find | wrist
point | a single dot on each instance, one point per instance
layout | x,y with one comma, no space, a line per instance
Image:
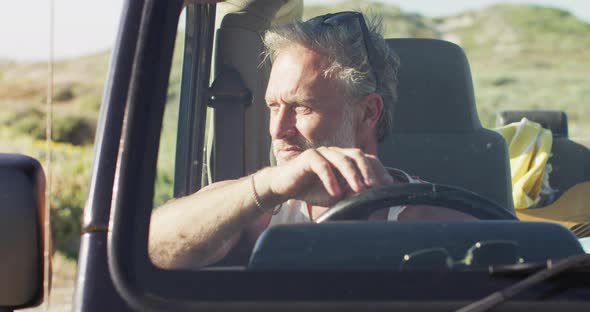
262,192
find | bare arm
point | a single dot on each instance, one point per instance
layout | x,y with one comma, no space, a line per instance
201,228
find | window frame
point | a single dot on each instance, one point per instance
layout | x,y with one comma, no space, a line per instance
196,68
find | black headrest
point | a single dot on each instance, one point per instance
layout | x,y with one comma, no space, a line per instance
556,121
435,88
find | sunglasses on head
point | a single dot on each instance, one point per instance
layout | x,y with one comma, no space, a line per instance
340,18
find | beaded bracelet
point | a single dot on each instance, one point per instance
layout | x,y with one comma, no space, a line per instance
255,195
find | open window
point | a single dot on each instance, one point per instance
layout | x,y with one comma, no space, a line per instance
169,151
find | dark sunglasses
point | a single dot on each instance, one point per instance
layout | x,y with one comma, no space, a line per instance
340,18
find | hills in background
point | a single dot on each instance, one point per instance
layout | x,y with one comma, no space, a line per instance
495,29
522,56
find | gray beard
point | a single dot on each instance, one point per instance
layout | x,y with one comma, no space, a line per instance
343,137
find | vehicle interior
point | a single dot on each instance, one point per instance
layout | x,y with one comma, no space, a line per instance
570,172
570,157
437,136
435,115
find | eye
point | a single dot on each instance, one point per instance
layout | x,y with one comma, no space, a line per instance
274,107
302,109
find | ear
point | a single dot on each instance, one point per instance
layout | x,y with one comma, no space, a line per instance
369,110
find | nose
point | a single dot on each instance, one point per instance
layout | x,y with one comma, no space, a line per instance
282,123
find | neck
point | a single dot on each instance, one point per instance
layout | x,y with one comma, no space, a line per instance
368,146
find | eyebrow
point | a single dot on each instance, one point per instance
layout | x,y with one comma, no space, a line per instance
293,99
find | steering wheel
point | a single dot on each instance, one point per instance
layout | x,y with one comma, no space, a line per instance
361,205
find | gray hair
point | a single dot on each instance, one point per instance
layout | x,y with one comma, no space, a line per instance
345,47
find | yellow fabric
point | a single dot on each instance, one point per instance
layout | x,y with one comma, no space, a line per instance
569,210
529,147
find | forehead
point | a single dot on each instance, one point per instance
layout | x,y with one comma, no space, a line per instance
299,72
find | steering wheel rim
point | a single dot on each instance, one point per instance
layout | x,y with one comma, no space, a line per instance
361,205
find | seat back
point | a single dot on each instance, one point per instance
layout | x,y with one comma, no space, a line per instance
239,47
570,161
437,134
556,121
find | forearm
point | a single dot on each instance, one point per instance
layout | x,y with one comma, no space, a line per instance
201,228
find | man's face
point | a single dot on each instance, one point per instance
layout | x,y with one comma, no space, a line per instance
307,110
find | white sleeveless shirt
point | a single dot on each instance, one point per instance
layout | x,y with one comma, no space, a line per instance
295,211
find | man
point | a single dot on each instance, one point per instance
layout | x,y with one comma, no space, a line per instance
330,94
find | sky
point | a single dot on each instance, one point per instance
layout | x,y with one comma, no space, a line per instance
89,26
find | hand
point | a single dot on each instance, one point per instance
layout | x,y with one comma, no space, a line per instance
325,175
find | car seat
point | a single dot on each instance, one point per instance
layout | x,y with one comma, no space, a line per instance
437,134
239,50
570,161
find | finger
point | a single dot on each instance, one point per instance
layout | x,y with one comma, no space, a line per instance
324,171
347,168
373,171
383,176
364,165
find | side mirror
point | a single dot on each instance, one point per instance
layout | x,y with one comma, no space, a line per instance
22,239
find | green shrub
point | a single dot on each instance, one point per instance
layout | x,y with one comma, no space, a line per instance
164,187
70,179
63,94
89,101
66,219
70,176
29,121
502,81
74,129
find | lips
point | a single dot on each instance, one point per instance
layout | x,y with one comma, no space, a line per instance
289,152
